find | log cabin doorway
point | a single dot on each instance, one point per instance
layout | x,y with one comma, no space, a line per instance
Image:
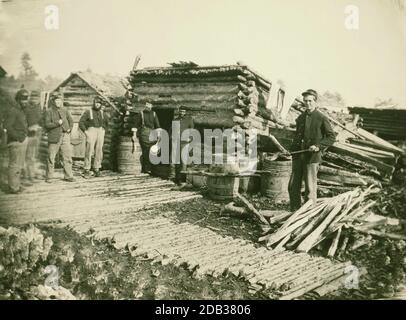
165,117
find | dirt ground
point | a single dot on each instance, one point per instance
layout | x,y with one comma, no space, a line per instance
96,270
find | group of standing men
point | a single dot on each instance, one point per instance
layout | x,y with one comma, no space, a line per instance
23,128
23,125
314,134
147,121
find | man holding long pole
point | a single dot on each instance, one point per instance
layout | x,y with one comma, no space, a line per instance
314,133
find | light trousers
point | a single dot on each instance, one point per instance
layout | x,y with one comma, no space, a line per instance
94,147
66,151
17,151
32,154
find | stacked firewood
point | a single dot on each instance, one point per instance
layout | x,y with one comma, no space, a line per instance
322,223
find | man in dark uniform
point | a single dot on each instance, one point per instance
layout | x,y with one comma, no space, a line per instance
34,118
59,123
313,132
16,129
145,123
184,122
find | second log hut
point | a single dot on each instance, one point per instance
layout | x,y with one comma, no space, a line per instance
78,92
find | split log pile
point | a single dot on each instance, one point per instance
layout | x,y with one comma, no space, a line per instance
357,158
333,226
323,225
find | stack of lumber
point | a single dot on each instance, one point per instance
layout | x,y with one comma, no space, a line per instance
320,224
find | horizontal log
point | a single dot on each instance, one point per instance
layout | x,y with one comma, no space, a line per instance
252,209
344,180
371,144
376,152
380,234
369,136
176,79
266,114
238,119
338,172
174,104
260,80
345,149
79,92
186,88
214,122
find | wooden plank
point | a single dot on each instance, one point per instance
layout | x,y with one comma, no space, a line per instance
252,209
367,135
309,241
346,149
334,245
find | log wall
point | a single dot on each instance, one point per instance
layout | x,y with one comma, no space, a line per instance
77,98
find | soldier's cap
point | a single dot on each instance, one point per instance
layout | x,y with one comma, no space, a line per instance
21,94
182,107
310,92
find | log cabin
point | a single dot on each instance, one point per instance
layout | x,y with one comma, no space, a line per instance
215,96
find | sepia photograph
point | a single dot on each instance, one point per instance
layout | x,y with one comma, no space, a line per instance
218,151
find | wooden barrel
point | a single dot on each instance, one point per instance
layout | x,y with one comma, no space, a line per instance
228,164
249,184
275,180
128,161
223,187
197,180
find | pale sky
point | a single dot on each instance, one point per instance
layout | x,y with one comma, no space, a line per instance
304,43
